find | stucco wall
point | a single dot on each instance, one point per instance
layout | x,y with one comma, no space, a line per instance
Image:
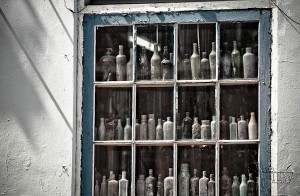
36,99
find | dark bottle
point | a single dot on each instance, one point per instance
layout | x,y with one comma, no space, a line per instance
211,186
224,129
226,67
204,67
186,66
166,65
187,127
194,190
106,67
251,186
150,183
145,72
226,183
110,127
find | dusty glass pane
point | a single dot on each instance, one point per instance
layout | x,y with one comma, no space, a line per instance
112,110
155,52
196,60
113,53
236,160
238,102
157,104
239,49
195,104
111,161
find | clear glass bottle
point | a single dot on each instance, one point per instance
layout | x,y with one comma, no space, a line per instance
121,64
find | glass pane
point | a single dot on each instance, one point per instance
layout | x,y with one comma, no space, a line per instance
155,52
196,162
236,161
113,113
196,106
110,162
155,110
239,111
152,167
113,46
196,51
239,45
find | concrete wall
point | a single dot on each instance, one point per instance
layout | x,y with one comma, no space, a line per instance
286,99
36,99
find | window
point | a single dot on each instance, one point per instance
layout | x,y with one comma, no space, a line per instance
200,74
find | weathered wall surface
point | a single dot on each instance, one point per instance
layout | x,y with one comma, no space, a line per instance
36,99
286,99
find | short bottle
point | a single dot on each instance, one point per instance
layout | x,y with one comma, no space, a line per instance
101,130
141,186
167,72
212,61
121,64
233,129
156,72
252,127
151,127
97,189
235,186
242,129
144,128
195,63
224,129
211,185
203,185
184,180
205,130
194,191
251,186
113,187
123,185
120,130
186,65
150,182
107,67
226,182
243,186
169,183
103,190
196,129
187,127
127,130
168,129
160,186
159,130
213,127
204,67
249,62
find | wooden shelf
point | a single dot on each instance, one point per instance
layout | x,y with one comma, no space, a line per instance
239,81
114,84
113,143
150,83
154,142
231,142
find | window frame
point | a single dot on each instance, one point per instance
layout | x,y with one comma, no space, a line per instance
262,16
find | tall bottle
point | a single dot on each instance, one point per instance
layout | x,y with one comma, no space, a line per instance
211,186
213,127
243,186
137,129
129,66
107,67
121,65
204,67
113,188
224,129
194,184
167,72
212,61
252,127
242,129
251,186
235,188
195,63
236,62
187,127
101,130
141,186
144,128
184,180
169,183
123,185
97,189
160,186
205,130
233,129
120,130
249,62
203,185
196,129
110,126
159,130
156,72
103,190
144,66
226,63
150,182
225,182
151,127
127,130
186,64
168,129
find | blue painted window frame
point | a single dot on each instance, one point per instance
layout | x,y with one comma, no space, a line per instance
263,16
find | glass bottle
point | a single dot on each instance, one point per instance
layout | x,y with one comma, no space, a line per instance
213,127
226,69
249,62
252,127
186,64
243,186
166,65
97,189
120,130
113,187
233,129
205,130
211,186
168,183
196,129
103,190
159,130
187,127
195,63
235,188
144,66
156,72
242,129
204,67
151,127
150,183
110,127
203,185
121,65
107,67
194,184
212,61
123,185
141,186
129,66
236,62
127,130
101,130
251,186
143,128
137,129
160,186
224,129
225,182
168,129
184,180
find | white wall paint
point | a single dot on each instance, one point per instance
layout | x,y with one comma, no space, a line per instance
36,100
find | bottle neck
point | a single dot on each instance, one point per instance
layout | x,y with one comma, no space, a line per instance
213,46
165,54
121,50
195,48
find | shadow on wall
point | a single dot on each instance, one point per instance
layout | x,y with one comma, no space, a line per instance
19,96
